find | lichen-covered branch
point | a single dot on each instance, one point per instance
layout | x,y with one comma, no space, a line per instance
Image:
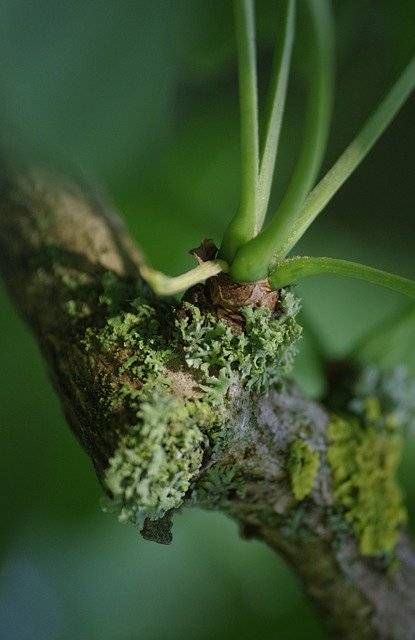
190,404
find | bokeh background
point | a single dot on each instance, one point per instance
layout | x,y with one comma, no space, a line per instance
142,98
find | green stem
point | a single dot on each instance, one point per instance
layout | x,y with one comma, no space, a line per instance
253,259
293,269
242,226
164,285
352,156
276,101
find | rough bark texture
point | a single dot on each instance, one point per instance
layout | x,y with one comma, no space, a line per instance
56,243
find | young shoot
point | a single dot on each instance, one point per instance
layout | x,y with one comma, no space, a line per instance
164,285
253,259
249,250
243,225
376,124
300,206
276,105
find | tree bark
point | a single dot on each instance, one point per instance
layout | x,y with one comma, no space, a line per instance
57,242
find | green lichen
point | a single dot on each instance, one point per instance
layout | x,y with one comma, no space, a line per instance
71,278
77,309
114,292
155,462
215,486
153,347
364,462
135,335
259,357
303,466
162,450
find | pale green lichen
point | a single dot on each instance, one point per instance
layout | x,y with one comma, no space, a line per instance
155,462
259,357
136,334
303,466
364,462
161,451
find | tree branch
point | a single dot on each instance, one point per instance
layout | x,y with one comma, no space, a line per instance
60,251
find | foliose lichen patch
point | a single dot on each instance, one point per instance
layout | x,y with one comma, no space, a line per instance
167,433
259,357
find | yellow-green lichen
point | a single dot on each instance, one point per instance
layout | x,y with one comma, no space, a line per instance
303,466
364,462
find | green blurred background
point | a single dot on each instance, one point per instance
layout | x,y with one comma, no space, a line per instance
141,96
